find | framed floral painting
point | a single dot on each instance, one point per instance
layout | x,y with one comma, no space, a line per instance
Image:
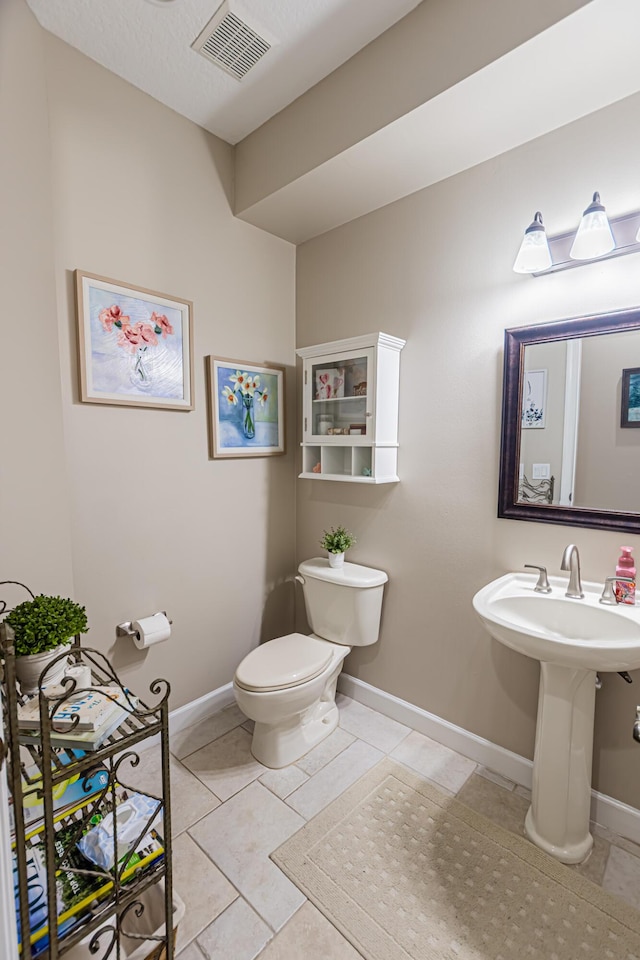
135,345
246,408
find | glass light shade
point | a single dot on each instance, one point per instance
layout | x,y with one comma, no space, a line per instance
533,255
593,238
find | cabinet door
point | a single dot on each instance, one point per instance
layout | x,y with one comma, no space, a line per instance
339,391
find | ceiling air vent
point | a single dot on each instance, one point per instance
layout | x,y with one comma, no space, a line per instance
231,43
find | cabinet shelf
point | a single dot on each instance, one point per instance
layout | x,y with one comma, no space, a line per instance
339,399
59,792
352,438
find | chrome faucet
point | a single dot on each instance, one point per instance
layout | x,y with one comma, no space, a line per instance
571,562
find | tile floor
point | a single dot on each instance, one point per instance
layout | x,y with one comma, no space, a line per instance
230,813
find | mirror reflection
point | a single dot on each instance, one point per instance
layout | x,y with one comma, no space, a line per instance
571,432
571,422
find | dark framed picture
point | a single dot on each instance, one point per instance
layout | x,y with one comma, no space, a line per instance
630,406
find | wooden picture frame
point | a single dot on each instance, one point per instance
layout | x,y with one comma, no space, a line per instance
247,408
135,345
630,398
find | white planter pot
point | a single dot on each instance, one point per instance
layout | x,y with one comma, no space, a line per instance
336,559
30,667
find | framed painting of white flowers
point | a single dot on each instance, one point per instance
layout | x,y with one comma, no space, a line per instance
246,408
135,345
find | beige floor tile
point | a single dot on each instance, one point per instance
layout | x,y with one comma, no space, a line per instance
239,836
311,936
192,738
432,760
495,778
502,806
226,765
320,756
594,868
204,889
190,799
523,792
369,725
238,934
613,838
334,778
285,781
248,725
622,876
192,952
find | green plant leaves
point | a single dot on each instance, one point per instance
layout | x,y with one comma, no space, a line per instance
45,622
337,540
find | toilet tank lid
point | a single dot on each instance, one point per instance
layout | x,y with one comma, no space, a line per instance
348,575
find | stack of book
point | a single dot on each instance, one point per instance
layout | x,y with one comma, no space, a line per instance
83,723
80,887
78,788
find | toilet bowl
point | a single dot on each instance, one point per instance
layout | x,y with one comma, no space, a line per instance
288,685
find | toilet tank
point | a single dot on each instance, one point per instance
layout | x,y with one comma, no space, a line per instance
343,604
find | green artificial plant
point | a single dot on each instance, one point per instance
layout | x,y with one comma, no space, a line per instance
338,540
45,623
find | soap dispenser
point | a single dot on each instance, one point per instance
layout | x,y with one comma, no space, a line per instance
626,592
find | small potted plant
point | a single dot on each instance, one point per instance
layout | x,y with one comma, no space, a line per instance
43,629
336,542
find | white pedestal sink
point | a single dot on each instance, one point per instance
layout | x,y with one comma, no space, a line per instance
572,639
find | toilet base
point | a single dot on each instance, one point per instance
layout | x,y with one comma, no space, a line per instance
278,745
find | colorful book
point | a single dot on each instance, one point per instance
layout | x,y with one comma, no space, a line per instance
88,712
79,788
89,740
76,892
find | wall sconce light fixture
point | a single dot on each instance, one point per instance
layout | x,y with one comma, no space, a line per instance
597,238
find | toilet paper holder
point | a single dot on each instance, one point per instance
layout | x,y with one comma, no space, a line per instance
126,629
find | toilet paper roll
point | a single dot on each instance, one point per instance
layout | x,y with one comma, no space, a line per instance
81,673
150,630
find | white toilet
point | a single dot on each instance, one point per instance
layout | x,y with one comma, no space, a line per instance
288,685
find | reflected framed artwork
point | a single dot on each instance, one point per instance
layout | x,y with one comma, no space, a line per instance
135,345
246,406
534,394
630,406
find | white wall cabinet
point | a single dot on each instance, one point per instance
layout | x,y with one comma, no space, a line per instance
350,409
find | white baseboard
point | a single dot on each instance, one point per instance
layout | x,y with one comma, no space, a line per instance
201,708
190,713
616,816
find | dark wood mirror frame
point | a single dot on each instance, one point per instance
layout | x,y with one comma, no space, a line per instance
515,340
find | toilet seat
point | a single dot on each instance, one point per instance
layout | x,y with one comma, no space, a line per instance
284,662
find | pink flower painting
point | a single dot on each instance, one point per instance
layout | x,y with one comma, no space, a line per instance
135,338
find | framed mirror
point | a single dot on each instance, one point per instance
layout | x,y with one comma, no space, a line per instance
571,398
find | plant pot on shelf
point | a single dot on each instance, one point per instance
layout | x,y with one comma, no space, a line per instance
29,667
336,559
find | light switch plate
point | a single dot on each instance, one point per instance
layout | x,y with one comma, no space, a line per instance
541,471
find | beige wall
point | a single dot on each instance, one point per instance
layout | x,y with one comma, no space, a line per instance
608,455
35,545
436,268
142,195
130,495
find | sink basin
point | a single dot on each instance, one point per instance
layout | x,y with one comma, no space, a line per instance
572,639
557,629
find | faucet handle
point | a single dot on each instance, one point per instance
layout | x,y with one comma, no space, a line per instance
542,586
608,591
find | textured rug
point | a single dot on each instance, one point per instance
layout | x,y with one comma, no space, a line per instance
404,871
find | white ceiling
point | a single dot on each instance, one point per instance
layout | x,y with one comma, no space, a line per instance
148,43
